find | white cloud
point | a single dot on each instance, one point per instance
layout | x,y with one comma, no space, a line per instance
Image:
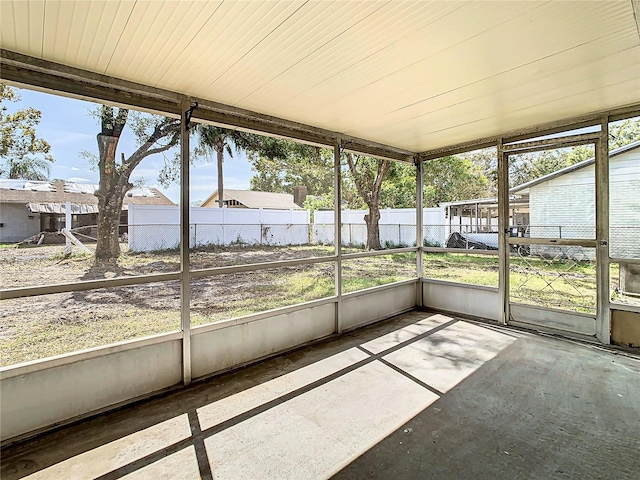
75,169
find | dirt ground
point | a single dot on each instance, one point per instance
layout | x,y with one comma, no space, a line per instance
47,325
44,265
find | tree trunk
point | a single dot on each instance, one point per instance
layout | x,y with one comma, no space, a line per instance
370,193
373,228
220,154
110,195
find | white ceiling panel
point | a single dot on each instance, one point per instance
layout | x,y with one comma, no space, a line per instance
226,39
22,24
415,39
274,60
531,83
417,75
483,113
459,66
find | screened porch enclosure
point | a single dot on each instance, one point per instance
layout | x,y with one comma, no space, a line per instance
173,324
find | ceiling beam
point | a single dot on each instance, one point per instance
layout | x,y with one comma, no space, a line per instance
550,128
24,70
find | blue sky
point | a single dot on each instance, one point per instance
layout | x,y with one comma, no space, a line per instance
68,126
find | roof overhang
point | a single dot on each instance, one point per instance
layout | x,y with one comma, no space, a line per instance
442,74
60,208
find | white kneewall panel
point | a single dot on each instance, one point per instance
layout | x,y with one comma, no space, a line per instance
240,343
367,306
42,398
531,316
474,300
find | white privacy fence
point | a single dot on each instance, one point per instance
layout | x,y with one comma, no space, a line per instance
397,226
158,227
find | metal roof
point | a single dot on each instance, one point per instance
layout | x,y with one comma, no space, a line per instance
55,194
32,185
492,201
416,75
256,199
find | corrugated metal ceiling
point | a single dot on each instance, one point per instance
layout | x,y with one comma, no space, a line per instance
416,75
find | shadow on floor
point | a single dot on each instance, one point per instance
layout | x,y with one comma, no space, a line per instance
24,458
419,396
544,408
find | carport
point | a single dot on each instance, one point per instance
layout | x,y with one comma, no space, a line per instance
404,81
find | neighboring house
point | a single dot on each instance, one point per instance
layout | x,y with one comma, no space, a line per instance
254,199
562,204
30,207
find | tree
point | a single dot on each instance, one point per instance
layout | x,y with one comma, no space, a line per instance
155,134
399,188
219,140
367,175
24,155
486,160
624,132
526,167
452,178
293,164
362,183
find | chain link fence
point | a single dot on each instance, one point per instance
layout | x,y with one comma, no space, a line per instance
355,234
560,277
624,240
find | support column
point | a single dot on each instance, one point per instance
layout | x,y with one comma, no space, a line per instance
67,227
337,238
476,219
603,310
419,231
185,276
503,237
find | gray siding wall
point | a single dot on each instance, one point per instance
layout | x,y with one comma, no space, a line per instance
569,201
624,230
16,222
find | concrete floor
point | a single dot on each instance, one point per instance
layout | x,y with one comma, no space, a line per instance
422,395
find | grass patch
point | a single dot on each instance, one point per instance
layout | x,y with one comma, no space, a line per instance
48,325
537,281
361,273
463,268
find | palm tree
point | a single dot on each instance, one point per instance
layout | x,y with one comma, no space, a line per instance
220,140
28,168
